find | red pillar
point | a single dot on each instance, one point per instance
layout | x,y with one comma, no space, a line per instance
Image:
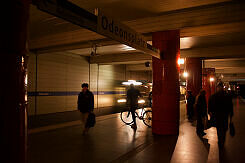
12,86
165,93
213,83
194,78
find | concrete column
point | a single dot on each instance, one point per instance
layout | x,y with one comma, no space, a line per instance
194,78
165,93
12,86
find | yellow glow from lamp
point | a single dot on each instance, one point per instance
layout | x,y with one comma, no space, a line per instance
127,48
185,74
121,100
129,82
181,61
141,101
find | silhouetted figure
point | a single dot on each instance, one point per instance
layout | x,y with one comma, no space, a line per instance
190,105
85,105
221,107
132,99
150,99
201,108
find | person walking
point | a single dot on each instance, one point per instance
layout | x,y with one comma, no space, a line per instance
85,105
221,107
190,105
201,109
132,99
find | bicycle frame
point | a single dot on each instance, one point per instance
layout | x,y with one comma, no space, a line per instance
140,112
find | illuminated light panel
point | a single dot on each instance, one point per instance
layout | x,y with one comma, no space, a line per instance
141,101
186,42
127,48
129,82
121,100
211,79
26,80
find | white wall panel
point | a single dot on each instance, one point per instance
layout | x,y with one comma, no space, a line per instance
77,72
109,75
71,102
93,82
51,104
31,75
58,72
106,100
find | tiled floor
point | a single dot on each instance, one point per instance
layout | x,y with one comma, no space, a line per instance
112,141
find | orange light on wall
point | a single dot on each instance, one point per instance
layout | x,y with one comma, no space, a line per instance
181,61
185,74
211,79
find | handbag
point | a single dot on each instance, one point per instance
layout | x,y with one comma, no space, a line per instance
91,120
232,129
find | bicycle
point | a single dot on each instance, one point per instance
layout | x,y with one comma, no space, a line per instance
146,116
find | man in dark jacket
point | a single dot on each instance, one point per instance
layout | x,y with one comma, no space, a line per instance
201,108
85,105
190,105
221,107
132,99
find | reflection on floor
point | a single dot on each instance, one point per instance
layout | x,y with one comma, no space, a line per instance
112,141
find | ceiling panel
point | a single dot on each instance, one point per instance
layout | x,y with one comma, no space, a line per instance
42,24
213,40
215,30
101,50
225,63
125,10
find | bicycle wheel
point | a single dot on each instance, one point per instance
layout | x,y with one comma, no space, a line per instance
126,117
147,118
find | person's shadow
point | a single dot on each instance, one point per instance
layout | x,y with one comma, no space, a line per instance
222,152
222,155
205,143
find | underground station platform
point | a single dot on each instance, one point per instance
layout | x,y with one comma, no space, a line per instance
169,50
110,140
